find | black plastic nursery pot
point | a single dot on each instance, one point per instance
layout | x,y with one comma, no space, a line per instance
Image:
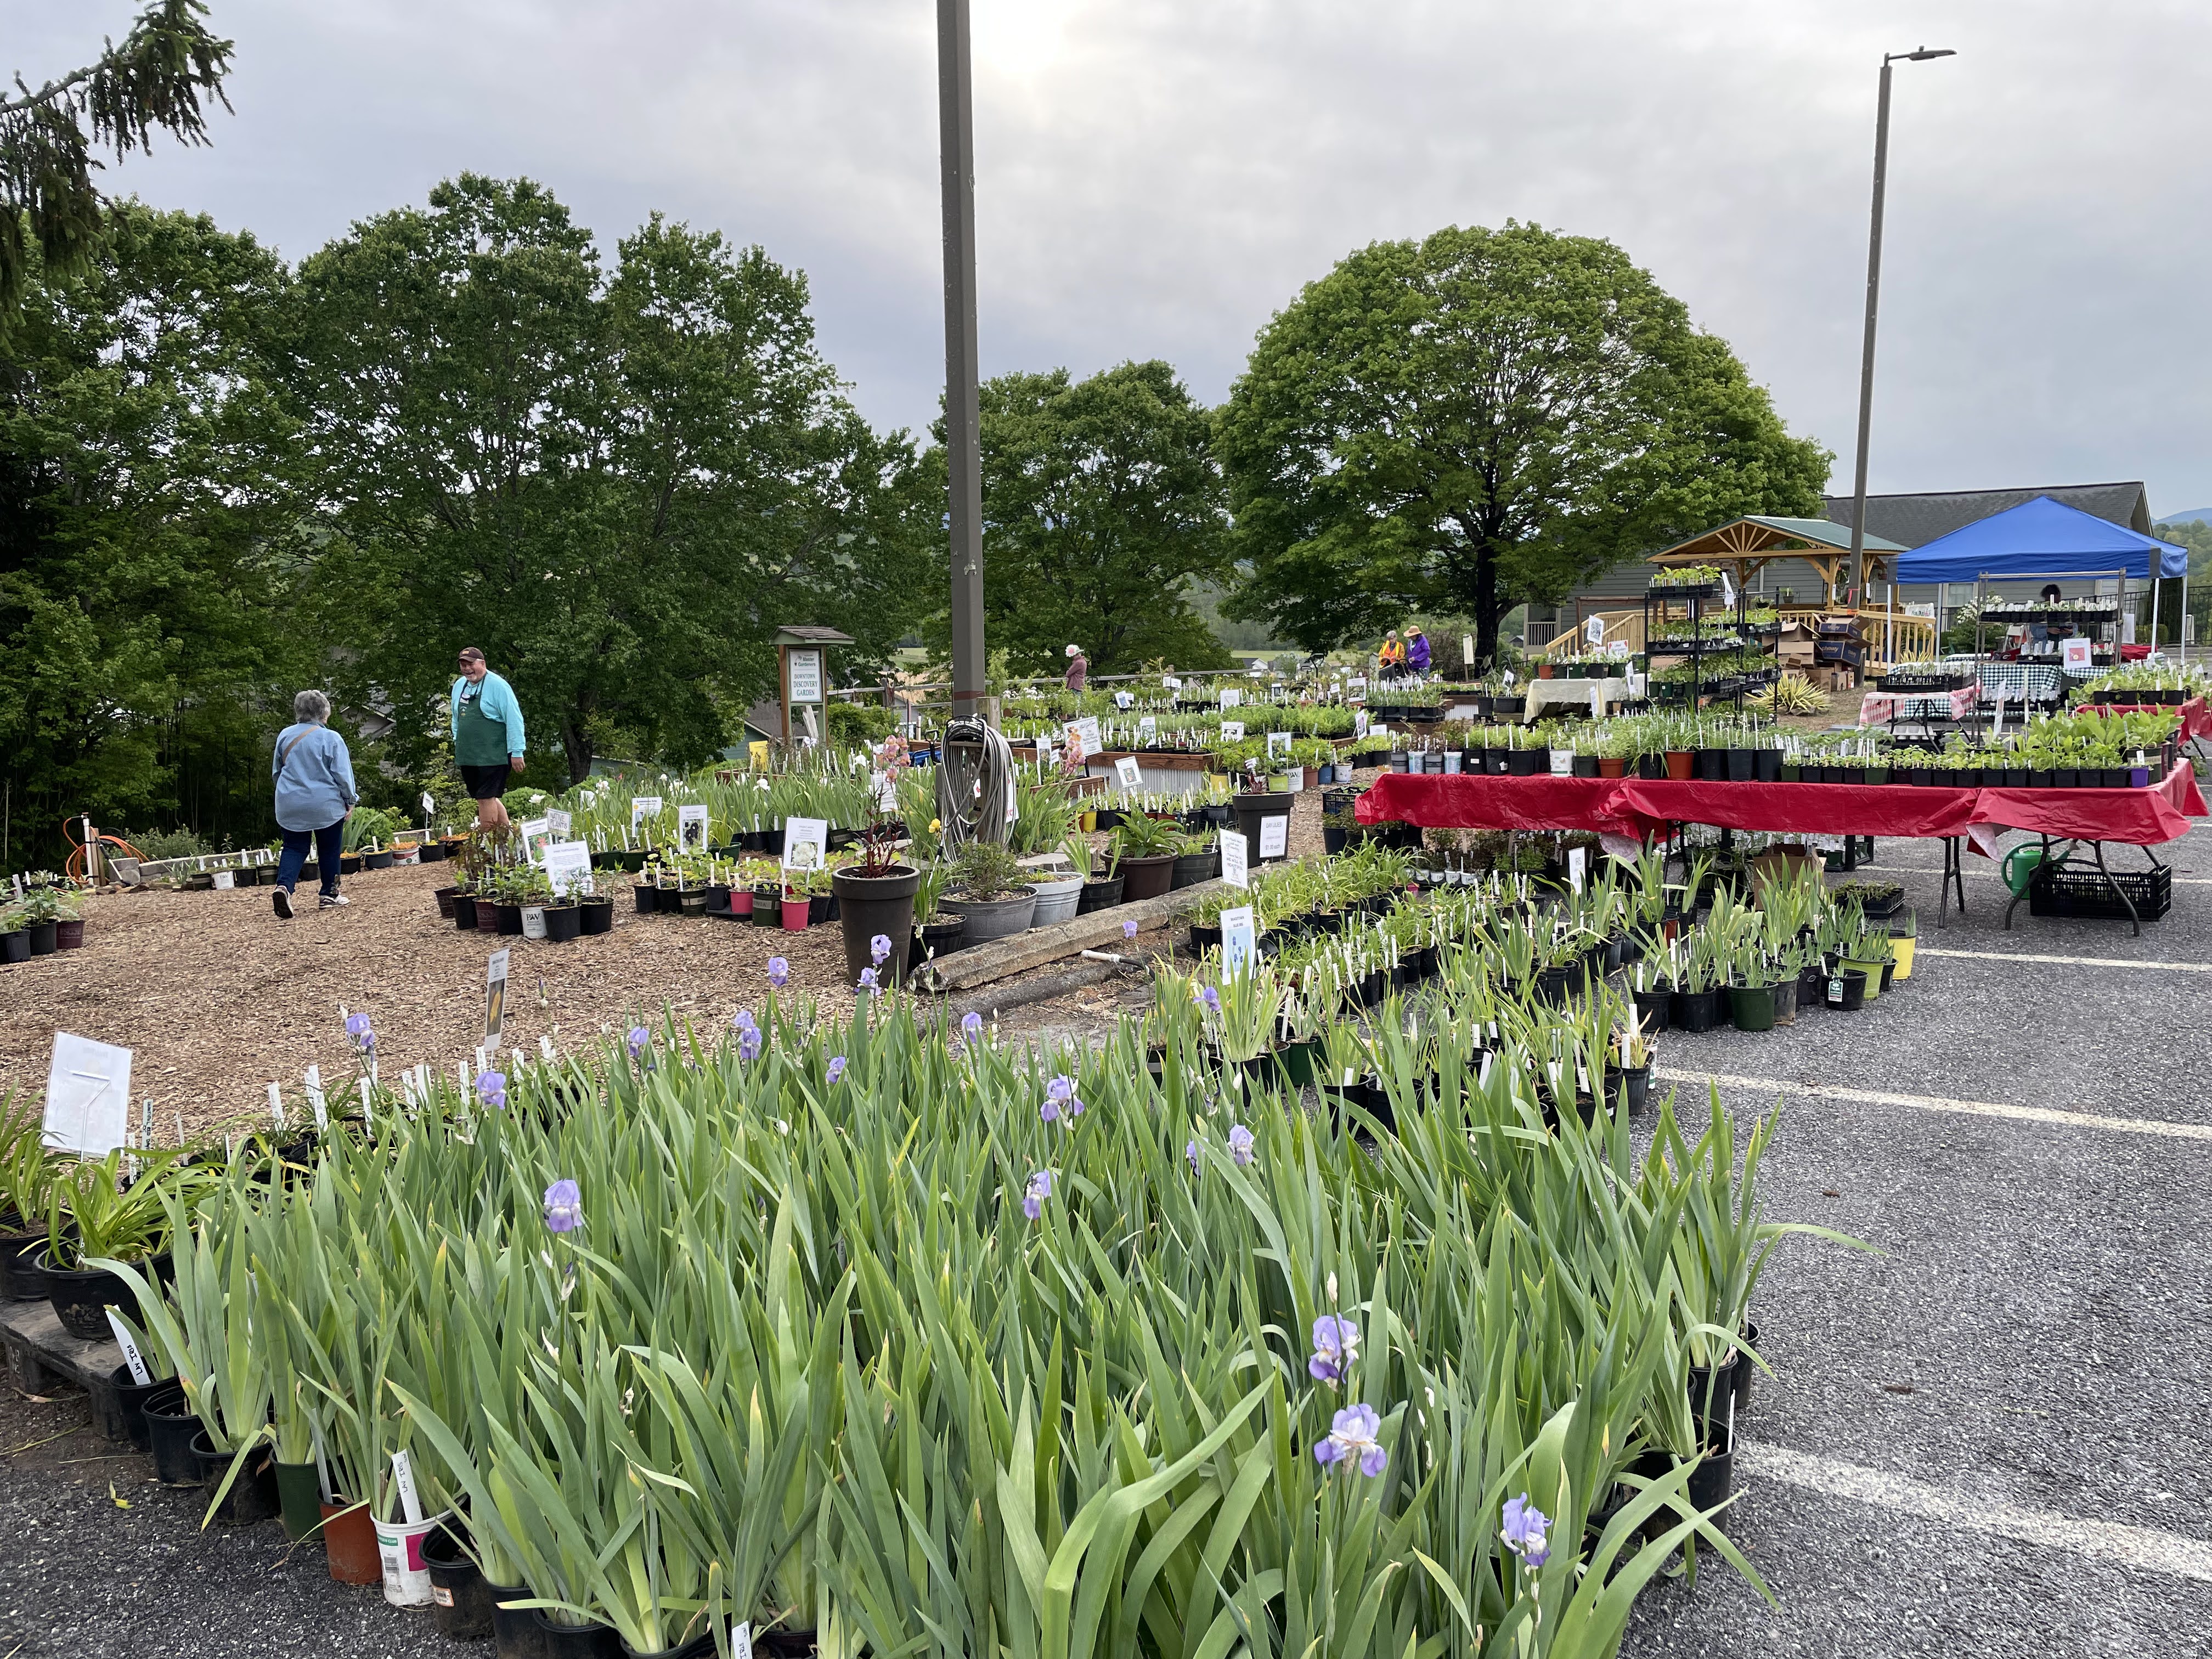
1812,988
1695,1011
564,922
871,905
465,912
575,1641
515,1630
460,1601
1099,896
941,938
1653,1007
21,1277
171,1427
1750,1008
118,1404
647,896
44,937
595,915
253,1497
79,1297
1846,989
1785,999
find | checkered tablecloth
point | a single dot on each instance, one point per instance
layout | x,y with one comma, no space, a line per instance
2019,682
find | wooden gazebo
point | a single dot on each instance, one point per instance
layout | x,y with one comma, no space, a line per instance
1748,544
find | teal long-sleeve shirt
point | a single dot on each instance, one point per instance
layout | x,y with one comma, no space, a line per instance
496,702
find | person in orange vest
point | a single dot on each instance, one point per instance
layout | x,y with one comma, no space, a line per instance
1392,656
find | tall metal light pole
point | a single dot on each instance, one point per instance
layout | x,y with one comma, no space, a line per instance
1874,294
957,157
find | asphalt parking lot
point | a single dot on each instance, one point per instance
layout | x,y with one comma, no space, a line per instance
1989,1440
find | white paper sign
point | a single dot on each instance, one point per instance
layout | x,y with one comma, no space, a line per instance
1171,683
1125,700
1578,858
225,880
558,821
641,806
805,844
1131,774
1358,682
1148,728
1359,724
1232,731
1231,696
1085,733
692,825
1594,630
1466,649
87,1096
2076,653
567,864
1235,869
1278,742
1239,943
805,676
1274,837
537,834
1380,729
494,998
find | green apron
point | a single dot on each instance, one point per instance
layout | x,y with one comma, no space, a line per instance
482,741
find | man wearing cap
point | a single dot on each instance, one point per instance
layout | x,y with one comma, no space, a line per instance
1078,668
488,742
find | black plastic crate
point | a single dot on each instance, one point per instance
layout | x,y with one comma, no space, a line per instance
2081,890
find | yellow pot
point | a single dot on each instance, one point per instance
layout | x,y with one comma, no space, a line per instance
1901,946
1089,822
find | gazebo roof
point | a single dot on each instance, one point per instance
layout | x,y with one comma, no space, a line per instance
1762,538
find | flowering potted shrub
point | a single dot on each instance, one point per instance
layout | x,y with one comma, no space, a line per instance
875,892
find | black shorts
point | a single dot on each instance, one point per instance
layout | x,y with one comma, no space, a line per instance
487,782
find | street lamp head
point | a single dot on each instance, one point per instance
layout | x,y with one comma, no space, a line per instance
1919,55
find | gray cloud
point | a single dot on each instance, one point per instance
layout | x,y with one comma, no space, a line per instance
1156,177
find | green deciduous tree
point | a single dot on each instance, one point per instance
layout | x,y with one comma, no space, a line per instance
1460,425
617,487
1103,509
149,535
155,81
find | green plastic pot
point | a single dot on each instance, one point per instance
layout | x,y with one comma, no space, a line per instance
1299,1061
1873,972
1751,1007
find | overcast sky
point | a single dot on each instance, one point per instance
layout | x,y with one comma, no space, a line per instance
1156,177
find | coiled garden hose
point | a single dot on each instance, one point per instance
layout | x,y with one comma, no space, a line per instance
975,784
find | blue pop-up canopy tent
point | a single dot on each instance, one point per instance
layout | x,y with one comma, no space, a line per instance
2041,538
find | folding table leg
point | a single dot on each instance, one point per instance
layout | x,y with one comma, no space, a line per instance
2118,892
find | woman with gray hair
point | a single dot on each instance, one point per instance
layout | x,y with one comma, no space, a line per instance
315,791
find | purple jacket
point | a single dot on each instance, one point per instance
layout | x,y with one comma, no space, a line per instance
1417,653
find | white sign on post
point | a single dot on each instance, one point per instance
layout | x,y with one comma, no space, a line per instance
642,806
1232,731
692,825
1129,772
805,844
1466,649
1235,868
1231,696
1084,732
1240,944
806,677
567,864
1278,742
87,1096
1274,837
494,997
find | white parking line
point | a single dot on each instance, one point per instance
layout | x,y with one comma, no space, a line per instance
2071,961
1773,1085
2141,1547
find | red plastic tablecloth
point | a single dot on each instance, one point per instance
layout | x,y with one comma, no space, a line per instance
1638,807
2196,722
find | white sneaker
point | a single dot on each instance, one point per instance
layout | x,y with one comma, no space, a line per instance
282,900
332,900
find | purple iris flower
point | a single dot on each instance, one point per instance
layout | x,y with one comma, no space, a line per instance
879,947
749,1042
1526,1531
778,972
1212,998
1128,930
868,980
837,1069
1033,1195
1240,1145
971,1025
1354,1437
357,1028
743,1019
564,1206
1061,1093
1336,1346
1190,1152
640,1040
491,1089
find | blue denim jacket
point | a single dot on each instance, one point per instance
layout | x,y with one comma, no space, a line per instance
313,778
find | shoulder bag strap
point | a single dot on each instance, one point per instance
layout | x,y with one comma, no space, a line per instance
288,748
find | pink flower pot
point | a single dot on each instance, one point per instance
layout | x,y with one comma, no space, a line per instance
794,915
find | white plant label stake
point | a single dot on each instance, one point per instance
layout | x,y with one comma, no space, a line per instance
139,1374
276,1107
403,1476
315,1101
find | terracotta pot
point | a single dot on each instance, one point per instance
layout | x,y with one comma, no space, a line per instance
1612,766
349,1542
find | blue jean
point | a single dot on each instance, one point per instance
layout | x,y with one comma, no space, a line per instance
327,843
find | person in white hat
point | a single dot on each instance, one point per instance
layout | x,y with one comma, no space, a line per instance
1077,668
